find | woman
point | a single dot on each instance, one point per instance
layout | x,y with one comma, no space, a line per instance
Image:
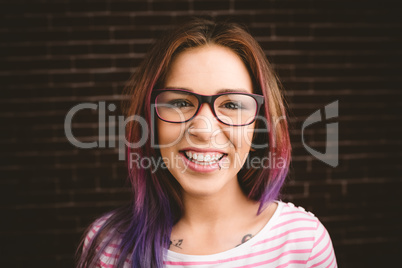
213,105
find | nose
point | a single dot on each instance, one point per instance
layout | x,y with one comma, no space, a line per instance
205,125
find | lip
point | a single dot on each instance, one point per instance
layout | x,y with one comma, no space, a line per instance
203,150
201,168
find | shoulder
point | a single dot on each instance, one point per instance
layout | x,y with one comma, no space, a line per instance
303,227
104,241
291,210
94,229
290,226
291,216
296,224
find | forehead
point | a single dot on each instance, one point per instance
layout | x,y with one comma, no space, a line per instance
209,69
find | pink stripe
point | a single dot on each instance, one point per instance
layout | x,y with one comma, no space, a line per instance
321,262
114,259
113,245
105,265
333,258
319,239
285,233
111,255
320,253
276,258
293,212
86,243
293,220
93,231
304,239
290,262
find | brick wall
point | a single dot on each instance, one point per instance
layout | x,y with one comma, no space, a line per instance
57,54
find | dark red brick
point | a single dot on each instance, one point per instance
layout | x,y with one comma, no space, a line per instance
78,7
211,5
292,31
252,5
24,22
69,49
71,77
142,20
128,6
22,50
110,49
72,21
93,63
180,5
110,20
90,35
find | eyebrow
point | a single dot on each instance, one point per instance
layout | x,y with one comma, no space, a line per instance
225,90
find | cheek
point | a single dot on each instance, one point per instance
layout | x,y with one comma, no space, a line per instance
243,137
169,134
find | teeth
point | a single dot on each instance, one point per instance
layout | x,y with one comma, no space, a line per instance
203,158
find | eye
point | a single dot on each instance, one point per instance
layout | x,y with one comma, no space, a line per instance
231,105
180,103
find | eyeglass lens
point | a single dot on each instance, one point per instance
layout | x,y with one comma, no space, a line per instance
231,109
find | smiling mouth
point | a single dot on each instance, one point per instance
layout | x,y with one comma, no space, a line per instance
203,158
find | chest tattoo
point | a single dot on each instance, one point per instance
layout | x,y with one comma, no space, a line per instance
176,243
245,239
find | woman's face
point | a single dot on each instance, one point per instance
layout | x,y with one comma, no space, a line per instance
221,150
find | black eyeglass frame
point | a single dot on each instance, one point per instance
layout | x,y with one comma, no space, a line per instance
209,99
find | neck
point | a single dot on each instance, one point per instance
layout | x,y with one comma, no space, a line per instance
217,222
215,211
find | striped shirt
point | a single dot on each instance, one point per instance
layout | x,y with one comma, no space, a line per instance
291,238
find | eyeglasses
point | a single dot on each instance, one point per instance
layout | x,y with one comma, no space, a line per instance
231,108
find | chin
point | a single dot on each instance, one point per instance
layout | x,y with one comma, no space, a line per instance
206,185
